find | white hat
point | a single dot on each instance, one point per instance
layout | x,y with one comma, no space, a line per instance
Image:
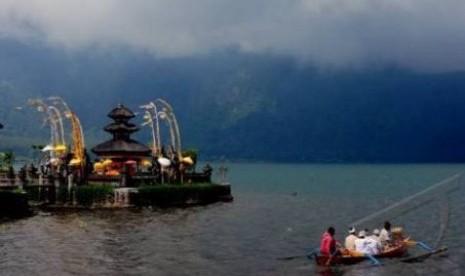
376,232
352,230
361,234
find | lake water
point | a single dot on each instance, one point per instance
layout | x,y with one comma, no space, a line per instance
279,210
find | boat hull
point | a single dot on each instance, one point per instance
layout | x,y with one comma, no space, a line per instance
348,259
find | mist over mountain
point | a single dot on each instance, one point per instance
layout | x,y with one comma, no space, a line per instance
236,105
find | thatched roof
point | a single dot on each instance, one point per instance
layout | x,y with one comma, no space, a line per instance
121,144
121,112
121,147
121,127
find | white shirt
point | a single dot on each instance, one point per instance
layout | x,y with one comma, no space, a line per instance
361,245
350,242
374,237
374,245
384,236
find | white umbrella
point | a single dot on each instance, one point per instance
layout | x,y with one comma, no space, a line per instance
164,162
48,148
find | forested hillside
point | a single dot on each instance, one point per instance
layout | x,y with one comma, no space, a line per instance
242,106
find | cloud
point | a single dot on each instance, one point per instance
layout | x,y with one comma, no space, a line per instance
418,34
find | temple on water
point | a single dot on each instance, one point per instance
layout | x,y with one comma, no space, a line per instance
125,172
124,161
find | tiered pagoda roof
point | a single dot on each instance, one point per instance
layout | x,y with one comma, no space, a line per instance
121,146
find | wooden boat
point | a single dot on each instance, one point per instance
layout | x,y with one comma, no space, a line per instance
347,258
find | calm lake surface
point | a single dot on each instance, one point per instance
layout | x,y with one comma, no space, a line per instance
279,210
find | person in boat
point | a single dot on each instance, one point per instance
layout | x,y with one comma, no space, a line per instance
375,234
385,234
329,244
374,245
349,242
397,235
361,243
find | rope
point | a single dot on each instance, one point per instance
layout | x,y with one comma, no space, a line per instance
415,201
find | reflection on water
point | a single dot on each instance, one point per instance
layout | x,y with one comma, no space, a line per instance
279,211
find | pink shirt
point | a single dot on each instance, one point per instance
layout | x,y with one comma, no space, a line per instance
328,244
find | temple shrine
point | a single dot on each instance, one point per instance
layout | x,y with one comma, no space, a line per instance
121,153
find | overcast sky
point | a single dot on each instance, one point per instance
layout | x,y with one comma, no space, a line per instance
419,34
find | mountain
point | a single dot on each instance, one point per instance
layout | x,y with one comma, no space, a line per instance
242,106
